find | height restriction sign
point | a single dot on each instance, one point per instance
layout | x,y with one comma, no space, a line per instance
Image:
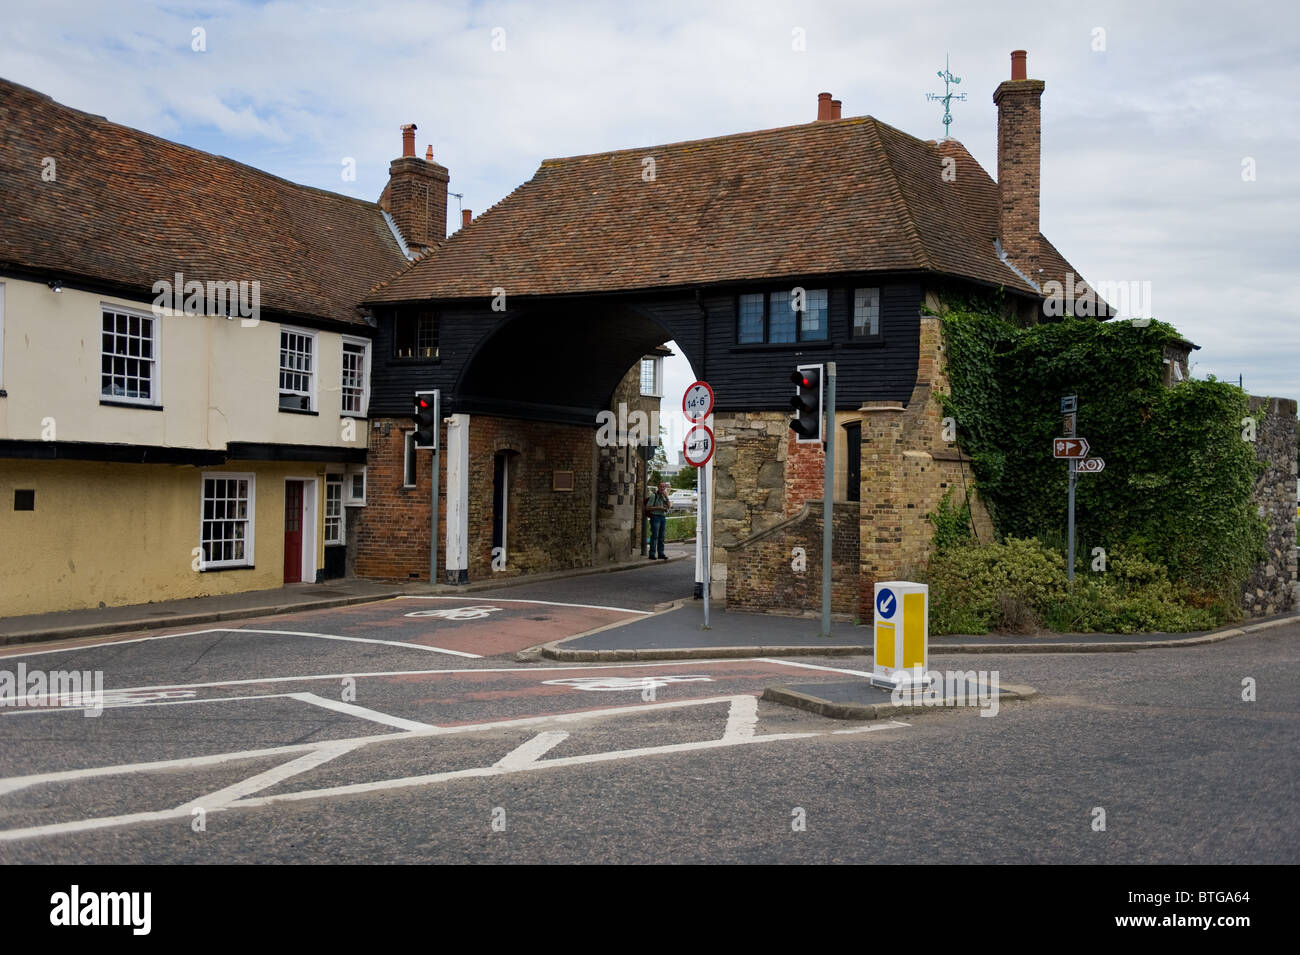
697,403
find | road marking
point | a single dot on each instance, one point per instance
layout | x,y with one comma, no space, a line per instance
604,684
742,718
196,633
811,666
522,759
383,673
75,775
276,774
545,603
532,750
351,709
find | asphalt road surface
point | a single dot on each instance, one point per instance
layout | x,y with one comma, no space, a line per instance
407,731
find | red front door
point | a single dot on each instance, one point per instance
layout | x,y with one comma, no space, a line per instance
292,532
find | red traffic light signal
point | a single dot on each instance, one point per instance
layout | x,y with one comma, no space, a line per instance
426,419
807,403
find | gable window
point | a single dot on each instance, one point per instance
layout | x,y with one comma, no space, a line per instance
334,509
226,533
415,335
128,356
866,312
297,370
355,384
651,376
774,319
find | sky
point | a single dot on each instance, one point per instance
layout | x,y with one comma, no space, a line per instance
1171,144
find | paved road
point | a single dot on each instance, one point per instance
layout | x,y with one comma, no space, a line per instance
368,735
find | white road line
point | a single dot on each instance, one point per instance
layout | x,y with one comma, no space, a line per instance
532,750
518,766
382,673
546,603
195,633
351,709
742,718
276,774
808,666
75,775
409,781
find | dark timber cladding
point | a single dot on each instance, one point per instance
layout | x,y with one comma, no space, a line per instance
560,359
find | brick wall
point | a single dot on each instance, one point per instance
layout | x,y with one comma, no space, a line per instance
620,480
763,574
805,471
391,533
545,529
748,480
1273,587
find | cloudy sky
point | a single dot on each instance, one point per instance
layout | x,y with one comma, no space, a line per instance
1170,131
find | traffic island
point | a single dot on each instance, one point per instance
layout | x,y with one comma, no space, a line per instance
862,700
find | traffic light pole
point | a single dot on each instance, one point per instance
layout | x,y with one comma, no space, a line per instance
828,493
433,522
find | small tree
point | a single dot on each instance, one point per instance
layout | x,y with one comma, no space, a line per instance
686,479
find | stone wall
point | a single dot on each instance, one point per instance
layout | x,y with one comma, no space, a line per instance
1273,588
765,574
620,480
748,480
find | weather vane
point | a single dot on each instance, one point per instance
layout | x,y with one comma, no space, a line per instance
948,95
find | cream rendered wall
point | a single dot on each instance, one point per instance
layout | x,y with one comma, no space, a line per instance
219,379
125,534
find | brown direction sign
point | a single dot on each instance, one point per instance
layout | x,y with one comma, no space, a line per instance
1076,448
1090,466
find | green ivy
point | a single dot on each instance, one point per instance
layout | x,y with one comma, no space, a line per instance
952,525
1178,479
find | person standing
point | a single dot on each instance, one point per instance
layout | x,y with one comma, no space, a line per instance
657,506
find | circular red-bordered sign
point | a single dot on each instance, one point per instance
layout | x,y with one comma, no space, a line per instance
698,449
697,402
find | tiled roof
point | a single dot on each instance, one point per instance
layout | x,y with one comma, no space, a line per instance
129,208
849,195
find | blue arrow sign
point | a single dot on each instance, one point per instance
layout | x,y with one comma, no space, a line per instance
886,603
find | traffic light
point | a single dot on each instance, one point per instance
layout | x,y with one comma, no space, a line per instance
807,404
426,419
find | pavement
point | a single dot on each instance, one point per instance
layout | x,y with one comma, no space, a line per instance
292,598
675,632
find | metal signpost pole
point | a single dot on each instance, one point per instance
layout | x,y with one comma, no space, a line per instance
828,492
1069,566
702,531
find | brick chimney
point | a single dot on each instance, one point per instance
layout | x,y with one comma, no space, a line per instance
416,195
1019,146
466,216
823,107
835,108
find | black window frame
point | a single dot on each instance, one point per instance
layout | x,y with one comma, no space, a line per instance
412,335
799,330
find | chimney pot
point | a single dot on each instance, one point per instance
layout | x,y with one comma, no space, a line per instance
823,106
428,154
408,139
466,215
835,108
1018,71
